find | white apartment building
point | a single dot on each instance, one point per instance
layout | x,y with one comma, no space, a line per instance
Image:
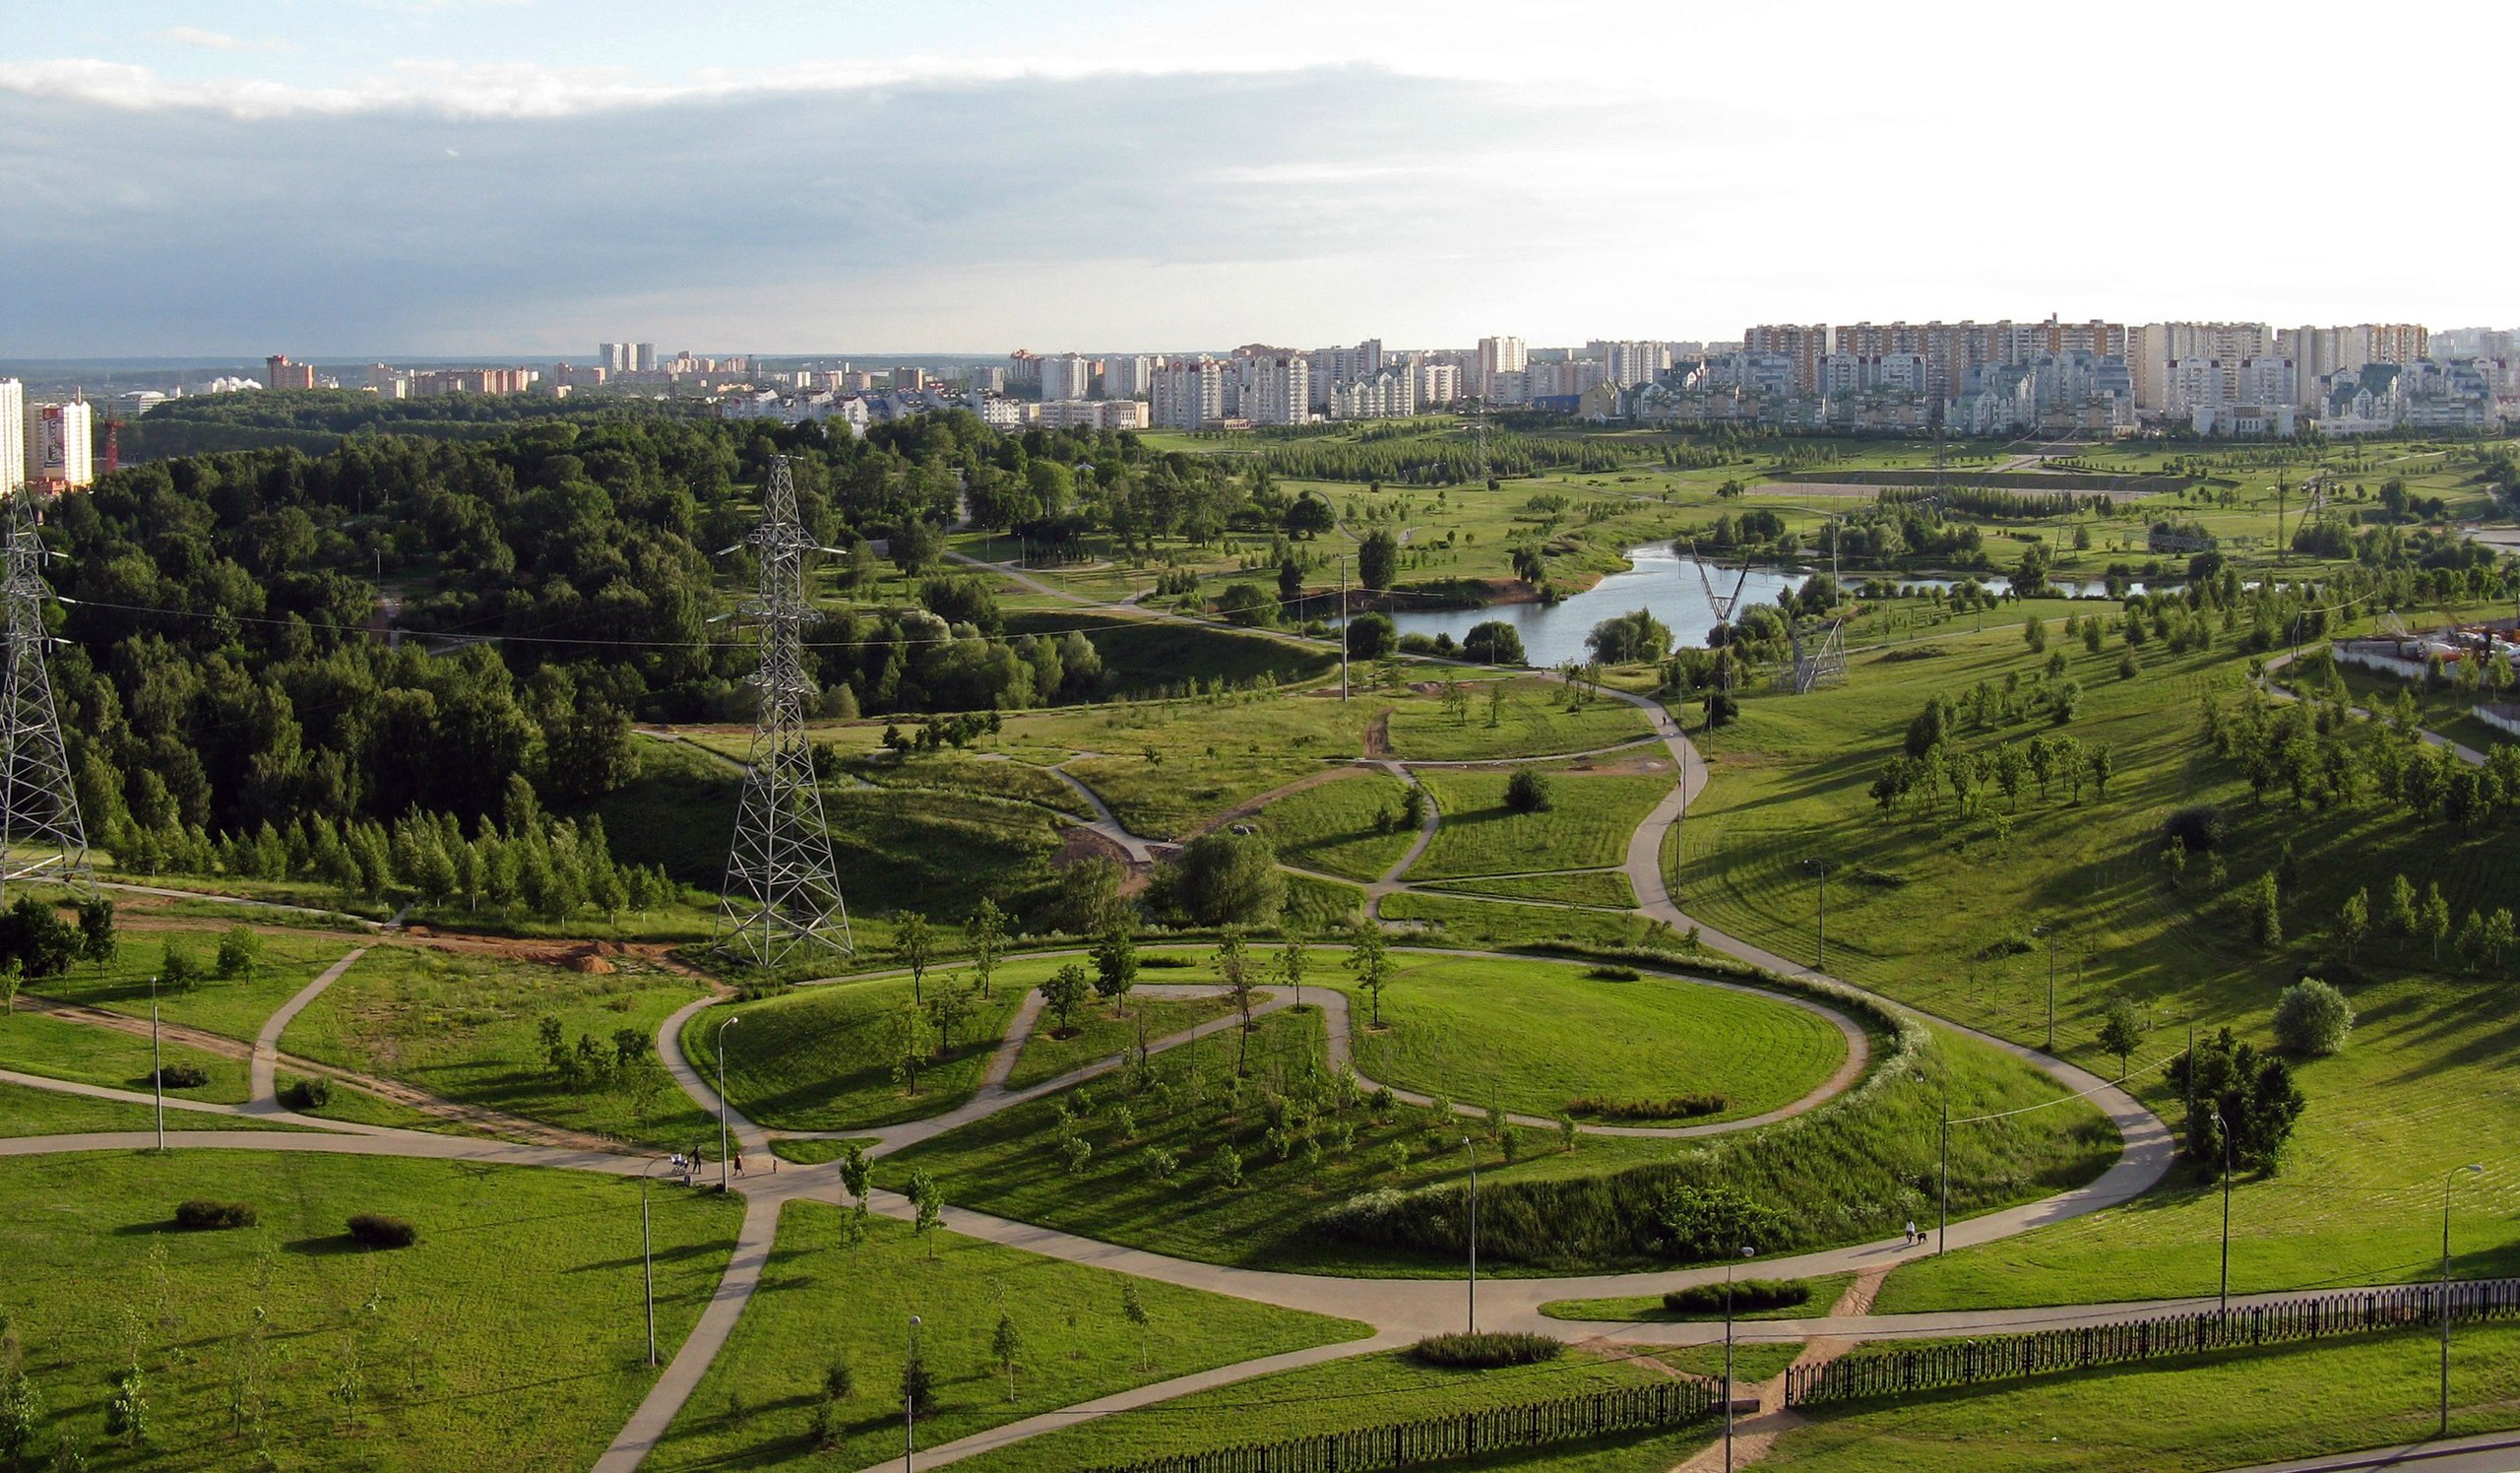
1391,394
1093,413
1628,364
1508,387
2194,383
1272,389
12,435
1187,394
1564,377
1066,376
1864,372
2270,381
1438,383
1128,376
60,445
1497,356
2154,350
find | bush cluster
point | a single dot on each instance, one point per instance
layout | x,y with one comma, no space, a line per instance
200,1214
1485,1351
1674,1108
183,1076
307,1094
1748,1295
375,1230
1610,973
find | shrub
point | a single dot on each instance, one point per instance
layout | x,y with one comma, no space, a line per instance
1712,1222
1527,792
307,1094
1674,1108
2197,829
183,1076
201,1215
240,953
1482,1352
2313,1019
375,1230
1748,1295
1610,973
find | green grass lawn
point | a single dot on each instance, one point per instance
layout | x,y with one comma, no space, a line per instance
467,1029
511,1336
824,1297
1647,1308
28,1110
1101,1033
234,1008
58,1048
2243,1407
1466,921
1937,910
1601,887
820,1058
1534,721
1586,828
987,776
1208,758
349,1103
1538,1035
1348,825
1319,907
1363,1391
1846,1171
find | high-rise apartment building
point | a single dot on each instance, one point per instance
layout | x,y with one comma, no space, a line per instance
1438,382
1066,376
1628,364
642,357
1272,388
1127,376
280,373
12,435
2157,351
1497,356
1187,394
1804,344
60,445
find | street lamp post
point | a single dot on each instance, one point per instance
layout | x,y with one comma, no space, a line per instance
1746,1250
1472,1153
1343,628
156,1065
2226,1132
1821,868
648,1263
910,1403
723,1157
2447,1178
2050,933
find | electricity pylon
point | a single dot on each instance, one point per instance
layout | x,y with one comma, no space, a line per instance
782,890
40,835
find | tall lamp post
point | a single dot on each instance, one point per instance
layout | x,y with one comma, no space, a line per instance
156,1065
1746,1250
1473,1152
2050,932
2448,1179
723,1157
1820,868
910,1403
2224,1129
648,1260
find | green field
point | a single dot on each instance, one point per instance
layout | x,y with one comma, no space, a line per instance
466,1030
820,1058
2243,1407
1103,1033
1167,770
25,1110
1594,887
231,1007
58,1048
1348,826
1536,1036
510,1336
1586,828
1465,920
1533,721
823,1298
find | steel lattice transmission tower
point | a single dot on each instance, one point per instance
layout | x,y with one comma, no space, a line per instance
782,890
40,835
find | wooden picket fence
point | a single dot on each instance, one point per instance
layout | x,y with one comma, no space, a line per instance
1894,1372
1435,1439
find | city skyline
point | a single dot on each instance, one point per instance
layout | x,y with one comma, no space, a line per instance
199,181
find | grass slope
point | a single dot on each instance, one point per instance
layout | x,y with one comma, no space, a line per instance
1345,826
824,1297
233,1008
1534,722
1586,828
820,1058
1101,1033
1598,887
509,1337
59,1048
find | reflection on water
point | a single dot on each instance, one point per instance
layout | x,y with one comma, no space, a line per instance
1662,582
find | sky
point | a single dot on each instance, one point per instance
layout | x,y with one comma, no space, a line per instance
347,178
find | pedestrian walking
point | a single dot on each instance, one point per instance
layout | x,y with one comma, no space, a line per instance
739,1163
1913,1236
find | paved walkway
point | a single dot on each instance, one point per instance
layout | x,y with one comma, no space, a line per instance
266,1062
2460,750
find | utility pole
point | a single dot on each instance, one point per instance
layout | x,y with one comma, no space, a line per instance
157,1063
2447,1178
722,1156
41,833
2050,933
2224,1128
1343,626
910,1403
1942,1227
783,889
1472,1153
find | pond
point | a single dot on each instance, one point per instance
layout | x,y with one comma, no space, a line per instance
1668,585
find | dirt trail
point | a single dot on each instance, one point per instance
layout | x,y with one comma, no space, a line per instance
1754,1435
1250,807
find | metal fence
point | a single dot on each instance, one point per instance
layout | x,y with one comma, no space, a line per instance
1895,1371
1433,1440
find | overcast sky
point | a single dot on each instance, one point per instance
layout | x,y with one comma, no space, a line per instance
450,177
